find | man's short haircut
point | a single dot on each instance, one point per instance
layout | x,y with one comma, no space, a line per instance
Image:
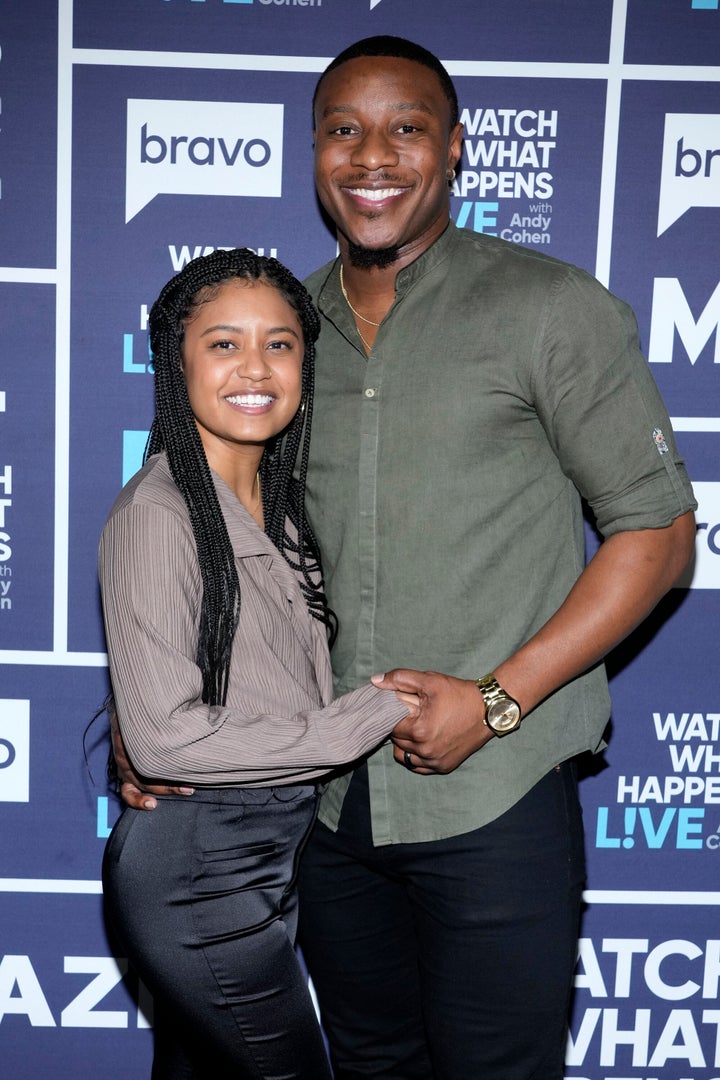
400,49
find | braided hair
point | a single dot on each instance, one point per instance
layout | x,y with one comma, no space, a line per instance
282,475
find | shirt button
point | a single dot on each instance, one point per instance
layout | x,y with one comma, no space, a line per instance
370,391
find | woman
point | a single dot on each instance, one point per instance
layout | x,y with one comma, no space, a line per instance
216,627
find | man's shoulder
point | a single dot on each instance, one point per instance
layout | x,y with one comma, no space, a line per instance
517,270
499,253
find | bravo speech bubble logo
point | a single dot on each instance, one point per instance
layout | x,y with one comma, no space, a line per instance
690,165
201,148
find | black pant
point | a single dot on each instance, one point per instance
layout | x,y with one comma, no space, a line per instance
201,893
452,959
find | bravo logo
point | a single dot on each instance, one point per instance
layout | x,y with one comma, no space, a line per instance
201,148
690,165
14,750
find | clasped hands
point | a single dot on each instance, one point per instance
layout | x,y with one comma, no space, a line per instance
443,727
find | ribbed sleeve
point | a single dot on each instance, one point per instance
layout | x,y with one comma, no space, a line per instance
277,726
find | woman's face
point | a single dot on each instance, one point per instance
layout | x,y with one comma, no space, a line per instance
242,357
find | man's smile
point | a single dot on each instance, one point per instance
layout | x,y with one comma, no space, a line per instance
375,194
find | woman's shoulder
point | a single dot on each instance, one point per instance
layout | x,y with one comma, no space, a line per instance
152,486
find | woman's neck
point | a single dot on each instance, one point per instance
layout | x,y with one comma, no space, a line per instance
239,467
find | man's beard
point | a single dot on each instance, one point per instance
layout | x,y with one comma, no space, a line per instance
367,258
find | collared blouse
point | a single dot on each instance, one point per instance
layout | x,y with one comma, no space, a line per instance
280,724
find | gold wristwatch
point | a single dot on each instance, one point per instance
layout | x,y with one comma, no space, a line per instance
502,712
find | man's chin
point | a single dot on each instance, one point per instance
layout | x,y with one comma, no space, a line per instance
369,258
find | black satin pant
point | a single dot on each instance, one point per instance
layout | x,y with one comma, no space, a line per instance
201,894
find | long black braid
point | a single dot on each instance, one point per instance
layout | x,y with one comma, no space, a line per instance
282,483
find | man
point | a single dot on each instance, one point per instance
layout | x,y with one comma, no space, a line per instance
469,392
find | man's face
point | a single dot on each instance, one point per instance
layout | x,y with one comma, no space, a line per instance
383,151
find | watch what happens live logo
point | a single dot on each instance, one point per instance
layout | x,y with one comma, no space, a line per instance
678,809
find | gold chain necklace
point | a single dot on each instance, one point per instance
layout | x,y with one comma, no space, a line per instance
355,313
368,346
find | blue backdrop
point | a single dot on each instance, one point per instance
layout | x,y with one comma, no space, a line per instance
140,133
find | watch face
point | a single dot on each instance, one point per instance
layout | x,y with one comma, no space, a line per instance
503,716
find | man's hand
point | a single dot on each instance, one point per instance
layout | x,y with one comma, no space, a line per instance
450,726
132,790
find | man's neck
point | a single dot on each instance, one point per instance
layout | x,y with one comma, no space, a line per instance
373,279
369,293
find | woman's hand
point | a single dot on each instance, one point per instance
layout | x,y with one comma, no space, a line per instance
134,791
412,701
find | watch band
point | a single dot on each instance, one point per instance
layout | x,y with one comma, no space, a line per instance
502,712
490,689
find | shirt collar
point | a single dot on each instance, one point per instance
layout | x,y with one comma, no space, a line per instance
246,536
332,302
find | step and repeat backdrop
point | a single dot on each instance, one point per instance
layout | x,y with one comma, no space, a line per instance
136,134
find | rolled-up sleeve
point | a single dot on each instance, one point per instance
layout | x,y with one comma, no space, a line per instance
602,411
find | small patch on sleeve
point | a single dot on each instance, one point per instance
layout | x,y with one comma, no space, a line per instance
659,440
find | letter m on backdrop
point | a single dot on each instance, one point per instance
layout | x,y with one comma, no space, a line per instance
671,312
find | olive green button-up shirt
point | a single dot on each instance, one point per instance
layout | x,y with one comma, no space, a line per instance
445,483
